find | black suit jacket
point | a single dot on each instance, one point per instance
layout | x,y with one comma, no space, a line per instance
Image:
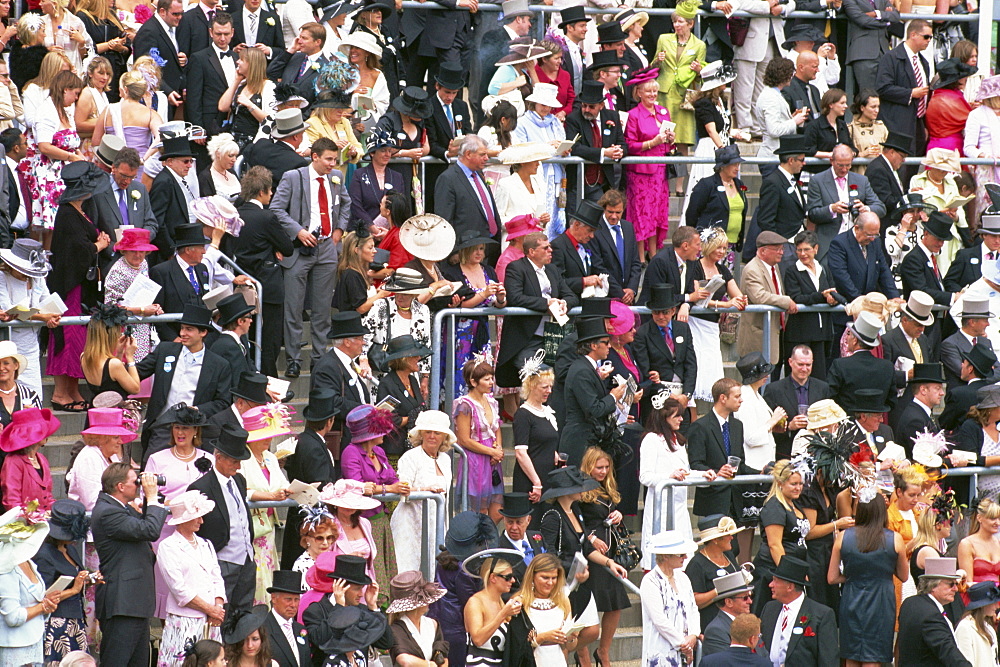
316,618
706,451
216,526
736,656
782,393
612,134
652,354
284,654
957,402
151,35
456,199
277,156
123,540
218,420
537,546
310,463
778,209
717,635
604,245
587,405
206,83
917,272
798,92
710,208
439,133
284,68
895,81
861,370
950,354
818,649
663,268
807,327
567,260
912,420
885,185
192,33
176,292
170,208
329,373
895,345
240,359
268,35
926,638
256,246
965,269
854,275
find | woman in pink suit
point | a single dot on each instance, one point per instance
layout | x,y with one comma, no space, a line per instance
648,188
347,499
25,475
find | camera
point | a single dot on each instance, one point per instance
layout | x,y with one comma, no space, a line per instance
94,577
161,479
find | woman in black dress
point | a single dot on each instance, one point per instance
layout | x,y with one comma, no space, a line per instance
808,283
829,129
402,382
111,38
405,121
784,527
354,278
248,100
108,357
599,509
714,559
536,432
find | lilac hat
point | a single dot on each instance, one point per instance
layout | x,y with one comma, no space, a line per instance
216,211
990,87
624,318
367,422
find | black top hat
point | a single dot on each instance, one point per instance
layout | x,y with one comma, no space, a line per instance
401,347
867,400
286,581
982,358
792,569
176,147
232,308
333,99
951,70
196,315
592,92
451,76
590,328
334,9
939,225
602,59
471,237
413,102
596,306
803,32
727,155
68,521
993,192
908,202
515,505
610,33
322,405
232,442
753,367
588,213
347,325
927,373
468,533
791,144
189,234
573,14
240,622
351,569
662,297
710,521
352,629
567,481
83,179
901,142
252,387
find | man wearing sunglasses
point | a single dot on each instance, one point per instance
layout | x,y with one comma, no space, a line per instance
926,629
732,597
903,82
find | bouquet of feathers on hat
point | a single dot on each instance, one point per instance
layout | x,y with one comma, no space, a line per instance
110,314
337,74
831,453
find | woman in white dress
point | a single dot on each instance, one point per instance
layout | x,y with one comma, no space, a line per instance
976,633
545,609
66,31
523,192
539,124
662,455
364,52
22,280
757,417
424,469
670,620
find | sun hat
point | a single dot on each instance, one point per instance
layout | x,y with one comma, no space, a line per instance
918,308
189,234
716,74
83,180
753,367
470,532
68,520
27,427
135,239
516,505
428,237
413,102
867,328
405,346
671,542
188,506
349,494
287,122
179,146
732,584
939,568
990,87
240,622
24,529
825,412
715,526
523,53
405,281
111,145
361,40
627,17
545,93
409,590
624,319
474,563
943,159
108,421
217,212
573,14
643,76
569,480
27,256
232,442
271,420
794,570
434,420
875,303
528,152
981,594
8,350
352,629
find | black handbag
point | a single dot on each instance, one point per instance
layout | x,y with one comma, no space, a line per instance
622,549
378,352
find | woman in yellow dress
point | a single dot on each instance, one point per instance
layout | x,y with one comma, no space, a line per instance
680,56
330,119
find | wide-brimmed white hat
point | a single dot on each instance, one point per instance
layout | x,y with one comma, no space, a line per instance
671,542
189,506
529,152
27,256
435,420
428,237
714,74
8,350
545,93
22,533
362,40
824,413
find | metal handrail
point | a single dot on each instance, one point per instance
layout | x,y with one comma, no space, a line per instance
694,159
83,320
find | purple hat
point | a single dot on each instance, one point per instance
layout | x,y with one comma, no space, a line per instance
367,422
216,211
990,87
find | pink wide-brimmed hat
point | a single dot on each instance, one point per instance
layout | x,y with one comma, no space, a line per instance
644,76
108,421
318,576
28,427
521,225
136,239
271,420
189,506
624,319
349,494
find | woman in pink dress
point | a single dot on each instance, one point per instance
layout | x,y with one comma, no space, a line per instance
477,425
347,499
648,133
948,110
549,70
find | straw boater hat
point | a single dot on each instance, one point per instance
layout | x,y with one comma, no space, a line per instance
23,530
530,152
27,256
217,212
409,590
824,413
715,526
943,159
349,494
428,237
188,506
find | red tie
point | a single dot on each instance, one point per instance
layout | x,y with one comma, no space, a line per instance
918,74
594,174
777,290
324,210
784,619
937,274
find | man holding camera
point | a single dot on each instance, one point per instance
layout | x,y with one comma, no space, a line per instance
122,537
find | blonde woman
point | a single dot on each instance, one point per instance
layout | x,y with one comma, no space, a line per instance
933,528
976,633
784,527
354,278
108,358
363,51
544,609
523,192
331,119
65,32
219,178
536,436
28,50
130,120
154,98
250,98
110,35
487,616
36,90
93,99
979,552
670,620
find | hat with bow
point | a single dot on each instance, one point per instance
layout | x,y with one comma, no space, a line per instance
409,591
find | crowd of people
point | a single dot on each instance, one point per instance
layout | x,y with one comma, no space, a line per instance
250,166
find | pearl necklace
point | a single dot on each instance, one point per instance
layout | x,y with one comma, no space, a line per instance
542,604
173,450
8,392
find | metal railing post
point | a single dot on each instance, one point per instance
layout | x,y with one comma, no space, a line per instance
766,343
435,382
449,378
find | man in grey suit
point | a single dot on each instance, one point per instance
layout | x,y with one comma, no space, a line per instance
127,202
123,538
868,24
314,218
836,195
732,597
975,319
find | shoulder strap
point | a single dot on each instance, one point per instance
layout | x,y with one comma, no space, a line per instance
115,112
558,516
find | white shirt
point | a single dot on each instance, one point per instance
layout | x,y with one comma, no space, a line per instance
286,627
315,223
228,64
171,32
779,642
185,378
251,33
546,287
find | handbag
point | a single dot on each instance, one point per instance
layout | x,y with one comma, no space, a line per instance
738,27
378,352
728,323
552,338
622,549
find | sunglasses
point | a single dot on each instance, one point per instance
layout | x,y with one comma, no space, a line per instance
509,577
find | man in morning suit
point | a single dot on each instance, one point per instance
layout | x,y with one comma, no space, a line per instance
229,526
663,345
183,278
494,44
857,262
975,318
926,635
299,63
286,635
977,365
338,371
967,267
795,389
250,392
867,412
183,372
868,27
903,85
909,340
171,193
744,636
211,72
311,463
883,171
862,369
160,33
794,629
732,597
279,153
588,401
614,240
128,202
450,119
531,282
602,142
256,27
436,36
573,254
461,195
516,513
926,389
233,344
313,207
782,204
123,537
835,195
919,271
193,29
675,264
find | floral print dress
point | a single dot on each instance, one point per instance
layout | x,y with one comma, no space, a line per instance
44,176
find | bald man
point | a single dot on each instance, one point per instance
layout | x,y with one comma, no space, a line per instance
801,92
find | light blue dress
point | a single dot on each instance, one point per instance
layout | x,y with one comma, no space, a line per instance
532,127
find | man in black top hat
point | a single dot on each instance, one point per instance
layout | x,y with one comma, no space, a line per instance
598,307
338,370
229,526
450,120
574,23
927,389
606,67
572,253
977,365
184,372
919,270
611,37
235,318
311,463
184,279
782,205
794,629
250,392
862,369
318,616
967,267
867,409
515,535
663,345
289,646
602,142
171,194
883,171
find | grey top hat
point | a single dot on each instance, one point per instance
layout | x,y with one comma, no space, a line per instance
512,8
287,122
866,328
989,224
975,307
731,585
109,149
918,308
989,397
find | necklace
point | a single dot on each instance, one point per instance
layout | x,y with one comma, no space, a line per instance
542,604
404,310
8,392
188,457
941,182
